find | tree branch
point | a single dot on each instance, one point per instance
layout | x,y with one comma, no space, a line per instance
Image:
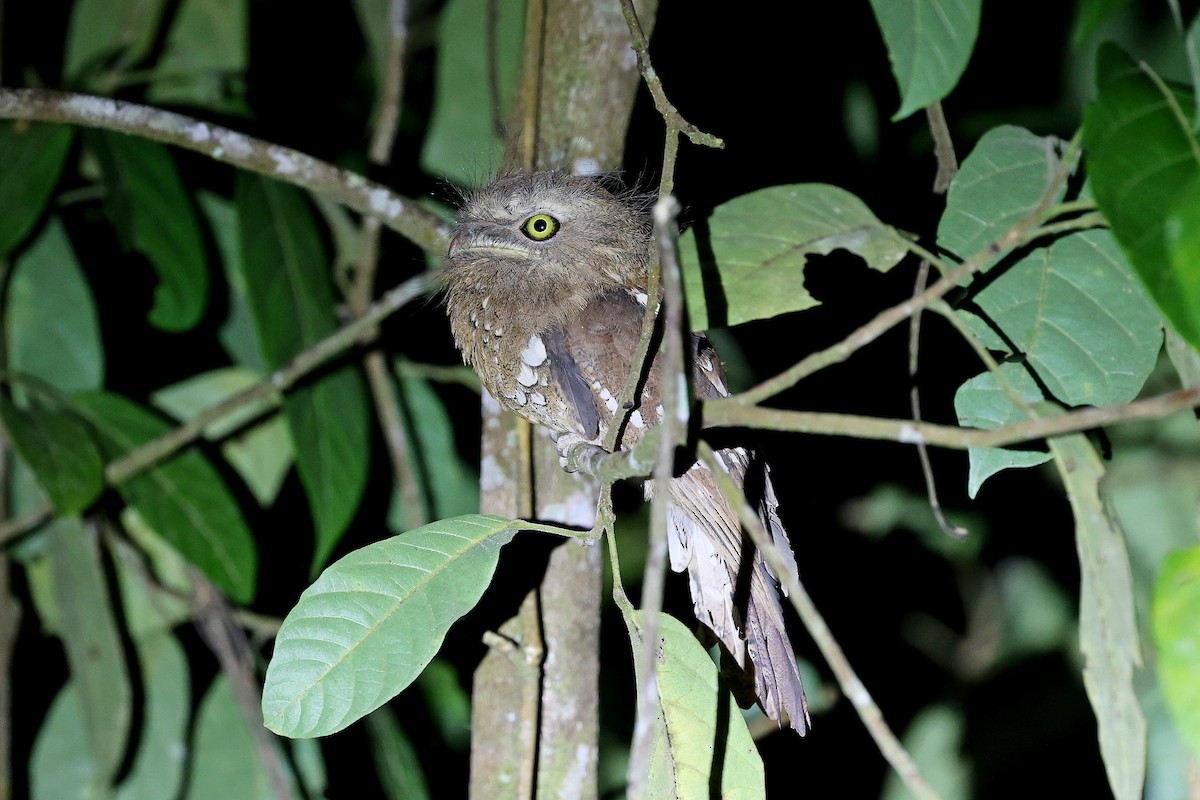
399,213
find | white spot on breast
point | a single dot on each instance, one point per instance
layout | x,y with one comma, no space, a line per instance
605,395
662,412
538,398
635,419
611,404
526,377
641,297
534,353
485,301
518,396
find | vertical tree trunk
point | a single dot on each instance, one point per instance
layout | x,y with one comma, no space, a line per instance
572,112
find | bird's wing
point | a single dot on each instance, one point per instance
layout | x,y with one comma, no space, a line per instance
571,383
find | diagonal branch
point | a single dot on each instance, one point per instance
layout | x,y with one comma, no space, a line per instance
237,149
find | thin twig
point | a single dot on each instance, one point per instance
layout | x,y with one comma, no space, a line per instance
379,378
392,92
718,414
216,625
674,426
641,47
943,148
399,213
815,624
914,396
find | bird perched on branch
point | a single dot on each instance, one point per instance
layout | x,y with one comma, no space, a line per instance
546,287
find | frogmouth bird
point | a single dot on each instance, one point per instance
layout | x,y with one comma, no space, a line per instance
546,288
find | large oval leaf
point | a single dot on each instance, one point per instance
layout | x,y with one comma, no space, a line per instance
368,626
746,261
1144,167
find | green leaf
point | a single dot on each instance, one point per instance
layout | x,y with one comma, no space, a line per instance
89,635
290,297
1108,635
396,762
158,766
34,154
1037,613
461,133
1079,317
51,324
205,58
225,758
1177,640
694,709
1090,15
1000,182
101,29
261,451
59,450
153,580
60,765
746,261
182,498
448,702
929,43
237,334
934,739
982,402
372,621
1144,169
450,484
150,207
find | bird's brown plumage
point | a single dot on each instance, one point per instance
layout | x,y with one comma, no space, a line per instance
550,323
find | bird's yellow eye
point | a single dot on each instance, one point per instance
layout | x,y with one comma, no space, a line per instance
540,227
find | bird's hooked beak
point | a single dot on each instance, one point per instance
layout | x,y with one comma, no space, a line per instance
468,241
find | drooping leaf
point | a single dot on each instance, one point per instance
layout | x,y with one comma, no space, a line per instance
1078,316
462,142
261,452
61,765
929,43
1144,168
236,333
225,758
206,56
183,498
935,739
93,644
1177,640
999,183
452,487
697,718
158,765
746,261
1090,15
1108,635
150,208
59,450
448,702
34,154
396,762
100,30
372,621
51,325
291,300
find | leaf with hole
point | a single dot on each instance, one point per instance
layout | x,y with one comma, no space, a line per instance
746,261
